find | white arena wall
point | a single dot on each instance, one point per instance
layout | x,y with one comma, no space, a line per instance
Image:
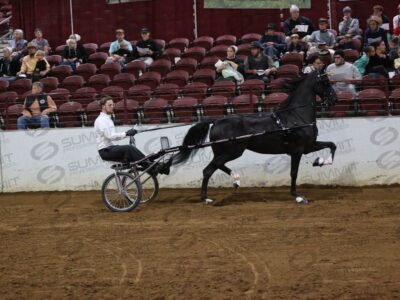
66,159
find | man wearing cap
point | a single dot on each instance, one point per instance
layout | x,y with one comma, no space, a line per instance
147,49
257,65
349,25
374,33
396,22
29,62
322,37
343,73
298,24
273,44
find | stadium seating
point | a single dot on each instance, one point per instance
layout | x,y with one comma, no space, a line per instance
124,80
244,104
7,99
84,95
184,109
288,71
90,48
204,41
208,62
226,39
253,86
4,85
372,102
171,54
110,69
92,111
20,86
167,91
160,42
351,55
243,49
105,47
215,106
151,79
178,77
274,99
394,102
218,51
12,113
49,83
293,58
86,70
179,43
124,111
196,89
54,60
139,93
344,106
224,88
60,96
116,92
70,114
154,110
98,59
197,53
99,81
136,68
161,66
206,76
187,64
250,37
61,72
375,81
72,83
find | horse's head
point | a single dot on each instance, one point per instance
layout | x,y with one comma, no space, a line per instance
324,89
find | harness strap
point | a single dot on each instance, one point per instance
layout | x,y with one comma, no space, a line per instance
278,121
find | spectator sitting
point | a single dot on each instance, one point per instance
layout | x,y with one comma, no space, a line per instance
346,42
397,62
42,67
41,43
378,12
17,44
120,49
231,67
297,24
343,73
257,65
322,37
8,66
79,47
29,62
296,45
315,63
147,49
363,61
72,55
374,33
393,47
380,63
274,45
349,25
396,22
37,108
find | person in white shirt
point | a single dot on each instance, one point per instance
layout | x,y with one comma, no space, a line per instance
396,23
106,135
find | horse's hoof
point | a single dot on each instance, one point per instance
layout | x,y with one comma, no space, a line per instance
301,200
208,201
318,162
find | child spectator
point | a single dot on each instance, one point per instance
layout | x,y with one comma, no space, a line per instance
363,61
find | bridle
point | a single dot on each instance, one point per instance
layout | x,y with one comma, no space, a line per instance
324,99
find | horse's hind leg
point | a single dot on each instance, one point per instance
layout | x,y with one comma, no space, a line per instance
235,176
319,161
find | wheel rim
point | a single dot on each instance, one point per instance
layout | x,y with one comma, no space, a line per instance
149,188
126,198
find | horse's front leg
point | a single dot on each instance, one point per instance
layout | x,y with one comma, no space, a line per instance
319,161
294,170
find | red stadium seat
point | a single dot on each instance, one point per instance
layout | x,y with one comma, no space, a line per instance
218,51
98,59
90,48
184,109
208,63
293,58
253,86
274,99
357,44
105,47
49,83
178,77
243,49
59,49
204,41
86,70
72,83
7,99
395,81
20,86
4,85
344,106
374,82
198,53
226,39
70,115
333,31
124,111
60,95
61,72
136,68
92,111
171,54
351,55
160,43
288,71
84,95
372,102
225,88
277,85
116,92
99,81
215,105
161,66
187,64
394,101
151,79
54,60
139,93
179,43
110,69
250,37
167,91
244,104
196,89
124,80
11,115
206,76
154,110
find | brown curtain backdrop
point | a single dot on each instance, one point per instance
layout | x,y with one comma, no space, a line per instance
96,21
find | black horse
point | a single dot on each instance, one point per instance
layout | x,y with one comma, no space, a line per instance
293,127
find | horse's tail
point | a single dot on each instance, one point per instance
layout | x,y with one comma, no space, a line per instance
196,135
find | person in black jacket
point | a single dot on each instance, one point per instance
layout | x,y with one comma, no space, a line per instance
147,49
8,66
73,55
380,62
374,33
291,25
274,45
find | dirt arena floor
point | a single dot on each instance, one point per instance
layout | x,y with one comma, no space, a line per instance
258,245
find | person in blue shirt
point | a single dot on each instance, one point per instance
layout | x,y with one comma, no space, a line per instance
115,48
273,44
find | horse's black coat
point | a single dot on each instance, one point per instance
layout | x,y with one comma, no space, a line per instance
298,109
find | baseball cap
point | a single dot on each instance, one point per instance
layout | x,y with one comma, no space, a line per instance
347,9
145,30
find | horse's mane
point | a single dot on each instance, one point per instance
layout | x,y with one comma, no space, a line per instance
289,87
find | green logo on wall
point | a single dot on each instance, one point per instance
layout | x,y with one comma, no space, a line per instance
255,4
